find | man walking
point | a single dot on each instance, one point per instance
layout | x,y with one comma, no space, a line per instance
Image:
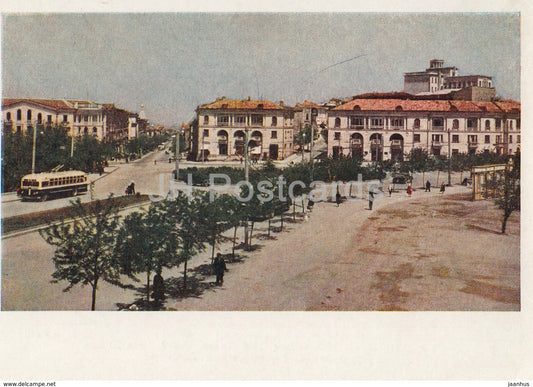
428,186
219,267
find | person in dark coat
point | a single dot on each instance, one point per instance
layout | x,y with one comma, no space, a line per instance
158,287
338,197
428,186
219,266
442,188
370,198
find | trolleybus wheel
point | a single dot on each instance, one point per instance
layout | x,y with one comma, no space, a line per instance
75,192
44,197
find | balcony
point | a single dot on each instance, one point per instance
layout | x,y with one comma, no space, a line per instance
438,128
375,142
358,127
436,143
472,143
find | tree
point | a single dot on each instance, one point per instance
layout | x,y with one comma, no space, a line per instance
85,246
145,244
505,190
187,226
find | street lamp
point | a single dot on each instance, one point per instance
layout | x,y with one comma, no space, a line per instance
178,133
303,146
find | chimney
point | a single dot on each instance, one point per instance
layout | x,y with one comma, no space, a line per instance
249,98
281,103
223,97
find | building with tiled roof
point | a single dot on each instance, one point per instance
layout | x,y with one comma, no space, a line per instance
224,125
78,117
308,113
378,129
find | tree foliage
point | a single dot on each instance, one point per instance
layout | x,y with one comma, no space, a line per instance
85,246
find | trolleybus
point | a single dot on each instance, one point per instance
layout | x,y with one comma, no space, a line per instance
46,185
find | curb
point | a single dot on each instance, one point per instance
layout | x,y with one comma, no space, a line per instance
37,228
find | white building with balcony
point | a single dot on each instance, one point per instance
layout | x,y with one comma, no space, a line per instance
223,126
382,129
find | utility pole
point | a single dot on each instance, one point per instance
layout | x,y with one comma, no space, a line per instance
303,146
449,160
312,141
72,143
33,150
177,154
246,175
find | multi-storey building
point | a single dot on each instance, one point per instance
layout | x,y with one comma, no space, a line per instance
104,121
377,129
223,126
439,80
307,113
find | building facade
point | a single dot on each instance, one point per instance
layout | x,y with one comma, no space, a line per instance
382,129
224,125
104,121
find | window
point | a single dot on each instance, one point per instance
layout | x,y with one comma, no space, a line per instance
19,115
337,122
498,123
487,139
257,119
65,118
455,152
498,139
274,134
19,129
437,122
240,119
356,121
49,118
455,138
337,136
397,122
487,125
28,115
206,120
416,138
85,118
472,139
510,139
223,120
8,116
206,132
518,138
510,125
455,124
274,121
417,123
471,123
436,137
518,123
376,122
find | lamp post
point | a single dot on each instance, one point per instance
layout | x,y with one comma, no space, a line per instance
178,133
33,149
303,146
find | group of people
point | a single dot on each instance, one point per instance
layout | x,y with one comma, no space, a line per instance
130,190
428,187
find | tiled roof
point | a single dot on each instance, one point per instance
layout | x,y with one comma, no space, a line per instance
307,104
234,104
56,104
429,105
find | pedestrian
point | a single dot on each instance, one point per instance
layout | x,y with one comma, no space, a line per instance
409,190
158,287
442,188
132,185
155,162
219,266
428,186
390,190
338,198
370,198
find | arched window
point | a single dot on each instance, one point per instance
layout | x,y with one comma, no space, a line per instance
274,121
19,115
455,124
487,125
28,115
337,122
39,118
357,107
206,120
417,123
8,116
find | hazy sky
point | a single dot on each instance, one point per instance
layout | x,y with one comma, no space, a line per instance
173,62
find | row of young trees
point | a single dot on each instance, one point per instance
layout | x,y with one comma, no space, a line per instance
100,245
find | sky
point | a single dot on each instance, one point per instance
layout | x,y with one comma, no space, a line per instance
173,62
